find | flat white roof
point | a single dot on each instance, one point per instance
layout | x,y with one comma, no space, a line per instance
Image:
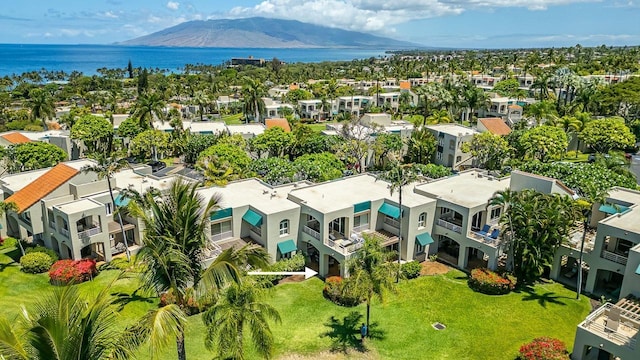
202,126
312,101
627,221
78,206
466,189
624,195
255,129
345,192
453,129
251,192
141,183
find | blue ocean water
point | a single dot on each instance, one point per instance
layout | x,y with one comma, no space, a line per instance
16,58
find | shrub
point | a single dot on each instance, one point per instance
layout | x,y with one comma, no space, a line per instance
52,254
334,291
72,271
8,243
36,262
117,264
544,348
491,283
295,263
411,269
191,306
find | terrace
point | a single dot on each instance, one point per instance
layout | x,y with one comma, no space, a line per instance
575,238
618,323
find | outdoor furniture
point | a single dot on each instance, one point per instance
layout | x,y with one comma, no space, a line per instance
494,234
485,230
571,273
613,319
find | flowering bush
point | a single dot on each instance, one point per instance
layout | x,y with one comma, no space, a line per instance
488,282
35,262
334,291
544,348
72,271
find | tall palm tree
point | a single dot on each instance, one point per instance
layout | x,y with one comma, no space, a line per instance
540,111
252,92
41,106
371,273
240,308
506,199
203,100
106,168
439,117
148,106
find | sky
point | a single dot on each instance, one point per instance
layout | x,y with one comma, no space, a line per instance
439,23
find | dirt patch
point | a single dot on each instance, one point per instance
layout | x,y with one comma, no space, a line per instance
328,355
434,268
292,279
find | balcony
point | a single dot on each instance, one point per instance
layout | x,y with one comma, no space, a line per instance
64,232
95,230
222,236
52,225
309,231
361,228
392,222
345,246
449,225
617,323
616,258
575,239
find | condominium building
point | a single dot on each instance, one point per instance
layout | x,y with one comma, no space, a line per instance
450,139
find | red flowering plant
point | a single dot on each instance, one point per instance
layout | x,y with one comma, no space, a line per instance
72,271
491,283
334,291
544,348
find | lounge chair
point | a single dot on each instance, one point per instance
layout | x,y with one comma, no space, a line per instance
494,234
485,230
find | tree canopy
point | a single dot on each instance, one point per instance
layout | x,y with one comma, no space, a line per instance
544,142
490,150
94,131
150,143
604,135
318,167
224,162
32,155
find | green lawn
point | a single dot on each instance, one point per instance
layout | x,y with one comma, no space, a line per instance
478,326
232,119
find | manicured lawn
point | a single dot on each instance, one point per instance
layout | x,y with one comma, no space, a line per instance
478,326
233,119
319,127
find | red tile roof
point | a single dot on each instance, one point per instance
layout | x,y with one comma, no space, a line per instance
16,138
496,126
42,186
281,123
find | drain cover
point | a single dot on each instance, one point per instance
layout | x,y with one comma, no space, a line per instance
438,326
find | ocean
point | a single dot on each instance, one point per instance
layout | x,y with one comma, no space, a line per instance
17,59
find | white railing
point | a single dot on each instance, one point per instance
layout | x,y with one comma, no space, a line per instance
450,226
483,238
597,327
620,259
91,232
309,231
361,228
52,225
392,222
344,249
64,232
222,235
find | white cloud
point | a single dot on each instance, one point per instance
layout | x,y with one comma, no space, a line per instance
173,5
379,15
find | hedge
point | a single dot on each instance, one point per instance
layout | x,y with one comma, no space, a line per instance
72,271
544,348
334,291
411,269
295,263
36,262
52,254
488,282
8,243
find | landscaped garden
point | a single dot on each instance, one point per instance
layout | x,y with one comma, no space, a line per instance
478,326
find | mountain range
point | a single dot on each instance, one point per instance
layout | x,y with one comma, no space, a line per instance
259,32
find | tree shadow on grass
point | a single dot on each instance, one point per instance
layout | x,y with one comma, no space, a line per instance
345,333
122,299
548,297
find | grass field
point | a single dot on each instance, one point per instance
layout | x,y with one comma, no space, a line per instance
478,326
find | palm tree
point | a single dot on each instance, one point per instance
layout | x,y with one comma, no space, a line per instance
239,309
439,117
506,199
540,111
475,99
106,168
583,118
252,92
371,273
148,105
203,100
41,106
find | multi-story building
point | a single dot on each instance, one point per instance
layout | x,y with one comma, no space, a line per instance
312,109
450,138
354,104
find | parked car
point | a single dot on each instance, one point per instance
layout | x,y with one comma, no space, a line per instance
156,165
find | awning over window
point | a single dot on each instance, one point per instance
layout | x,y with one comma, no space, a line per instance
362,206
252,218
424,239
390,210
612,209
121,200
221,214
286,247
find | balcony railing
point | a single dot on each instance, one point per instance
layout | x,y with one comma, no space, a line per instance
392,222
361,228
617,258
52,225
90,232
344,246
222,236
309,231
451,226
64,232
596,323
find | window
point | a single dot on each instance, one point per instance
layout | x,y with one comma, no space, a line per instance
284,227
361,222
422,220
221,230
439,155
495,213
452,144
109,208
419,248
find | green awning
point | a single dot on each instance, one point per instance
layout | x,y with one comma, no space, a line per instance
612,209
390,210
638,270
424,239
286,247
221,214
122,200
362,206
252,218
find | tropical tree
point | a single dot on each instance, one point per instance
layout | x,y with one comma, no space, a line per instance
224,162
421,146
95,132
150,143
275,141
32,156
439,117
252,93
41,106
490,150
148,106
105,168
203,100
544,142
540,111
604,135
318,167
238,311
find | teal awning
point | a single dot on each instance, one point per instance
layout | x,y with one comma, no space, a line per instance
362,206
122,200
286,247
206,132
612,209
638,270
252,218
390,210
424,239
221,214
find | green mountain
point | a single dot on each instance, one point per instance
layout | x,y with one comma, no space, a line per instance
261,32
